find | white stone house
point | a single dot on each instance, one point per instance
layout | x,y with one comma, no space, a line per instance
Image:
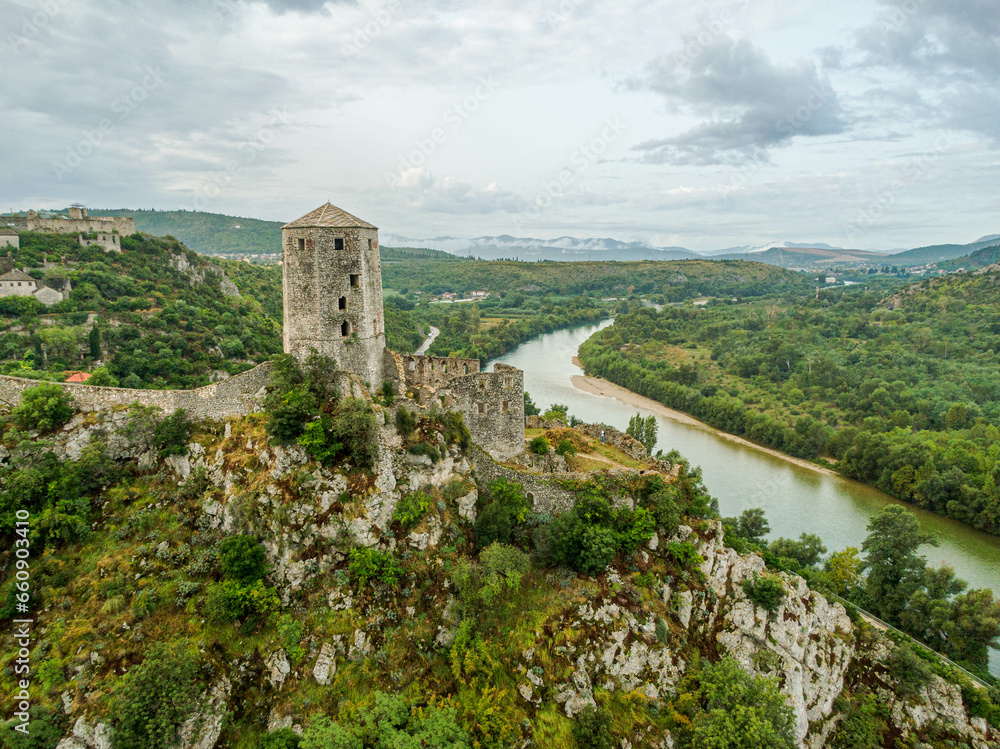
9,238
19,283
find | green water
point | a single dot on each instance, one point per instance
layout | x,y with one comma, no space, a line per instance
797,500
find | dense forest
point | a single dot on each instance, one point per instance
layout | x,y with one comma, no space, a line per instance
899,390
676,280
148,322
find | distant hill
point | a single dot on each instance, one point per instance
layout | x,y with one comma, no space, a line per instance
978,259
939,252
563,249
207,233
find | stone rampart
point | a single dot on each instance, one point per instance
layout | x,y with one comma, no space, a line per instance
493,404
435,371
236,396
89,225
548,492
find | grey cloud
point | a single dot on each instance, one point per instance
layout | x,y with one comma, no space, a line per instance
754,104
951,48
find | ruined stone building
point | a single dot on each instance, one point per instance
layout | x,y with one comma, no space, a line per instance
76,222
9,238
332,287
108,242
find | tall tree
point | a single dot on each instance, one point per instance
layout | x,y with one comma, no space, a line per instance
895,570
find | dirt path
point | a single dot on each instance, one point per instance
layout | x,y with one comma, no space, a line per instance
597,386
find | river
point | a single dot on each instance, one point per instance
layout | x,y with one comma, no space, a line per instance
796,499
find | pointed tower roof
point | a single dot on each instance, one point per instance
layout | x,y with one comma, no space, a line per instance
329,216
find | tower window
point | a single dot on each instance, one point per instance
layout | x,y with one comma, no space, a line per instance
482,408
355,280
302,244
342,304
345,329
371,244
338,243
505,408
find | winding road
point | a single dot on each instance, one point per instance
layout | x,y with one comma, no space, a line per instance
428,341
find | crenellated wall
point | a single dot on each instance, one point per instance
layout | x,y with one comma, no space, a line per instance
236,396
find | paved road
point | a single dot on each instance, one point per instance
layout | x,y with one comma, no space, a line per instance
428,341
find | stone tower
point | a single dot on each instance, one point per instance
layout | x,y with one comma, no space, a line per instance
332,284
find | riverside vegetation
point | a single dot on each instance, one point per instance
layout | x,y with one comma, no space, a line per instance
899,390
208,584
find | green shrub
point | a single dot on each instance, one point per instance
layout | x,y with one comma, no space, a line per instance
171,435
287,413
285,738
455,430
565,447
766,592
500,569
426,449
666,510
390,723
366,564
317,439
411,508
406,422
354,426
597,548
243,559
230,601
102,377
910,673
510,496
592,729
154,698
43,408
862,726
494,524
685,554
46,727
539,446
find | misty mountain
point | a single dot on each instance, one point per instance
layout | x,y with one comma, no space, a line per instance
530,248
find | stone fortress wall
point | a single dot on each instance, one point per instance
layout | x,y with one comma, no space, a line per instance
492,403
78,222
235,396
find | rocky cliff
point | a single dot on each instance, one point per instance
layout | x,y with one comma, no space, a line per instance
625,637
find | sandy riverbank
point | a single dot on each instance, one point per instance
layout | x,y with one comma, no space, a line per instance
597,386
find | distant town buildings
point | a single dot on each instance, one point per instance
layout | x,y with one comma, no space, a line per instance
9,238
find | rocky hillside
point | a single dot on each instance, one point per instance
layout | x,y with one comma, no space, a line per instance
155,315
204,585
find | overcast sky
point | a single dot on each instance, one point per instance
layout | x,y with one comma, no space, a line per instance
700,124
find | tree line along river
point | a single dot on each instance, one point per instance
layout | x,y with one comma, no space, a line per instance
796,498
